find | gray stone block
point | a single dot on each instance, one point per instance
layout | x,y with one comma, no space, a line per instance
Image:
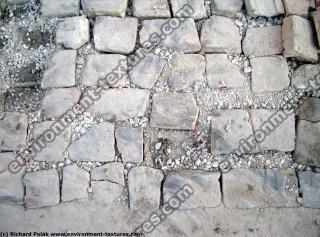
310,109
107,193
59,8
316,21
94,8
227,8
310,189
113,172
266,8
198,7
296,7
147,9
305,76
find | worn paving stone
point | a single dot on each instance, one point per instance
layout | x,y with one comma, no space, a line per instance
252,188
13,131
74,184
113,172
263,41
316,21
42,188
151,9
52,151
228,128
198,7
184,71
59,8
310,109
96,145
107,193
298,39
115,35
263,80
130,143
304,75
222,73
73,32
310,188
220,35
121,104
183,39
296,7
274,129
5,160
227,8
144,186
58,101
174,111
266,8
307,143
94,8
61,70
203,190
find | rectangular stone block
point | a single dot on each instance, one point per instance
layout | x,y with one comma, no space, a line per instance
113,172
60,8
267,8
198,7
94,8
316,21
147,9
107,193
310,189
296,7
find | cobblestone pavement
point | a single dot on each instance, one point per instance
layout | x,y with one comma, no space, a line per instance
227,103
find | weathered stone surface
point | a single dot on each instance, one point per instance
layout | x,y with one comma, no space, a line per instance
296,7
310,109
144,186
263,80
60,8
73,32
113,172
227,8
312,4
42,188
274,129
310,188
75,183
198,7
307,147
151,8
221,73
316,20
298,39
174,111
58,101
184,71
130,143
263,41
115,35
203,189
317,3
251,188
146,73
13,131
107,193
220,35
61,70
104,7
264,8
53,151
5,159
121,104
228,128
183,39
304,75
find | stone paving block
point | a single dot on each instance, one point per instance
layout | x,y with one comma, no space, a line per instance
100,65
220,35
227,8
174,111
263,41
96,145
316,21
304,76
52,151
307,143
184,70
252,188
298,39
310,109
107,193
42,188
310,188
113,172
151,9
61,70
296,7
13,131
58,101
121,104
312,4
5,160
228,128
59,8
222,73
263,80
182,39
204,192
198,7
75,183
144,186
130,143
115,35
266,8
94,8
274,129
73,32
